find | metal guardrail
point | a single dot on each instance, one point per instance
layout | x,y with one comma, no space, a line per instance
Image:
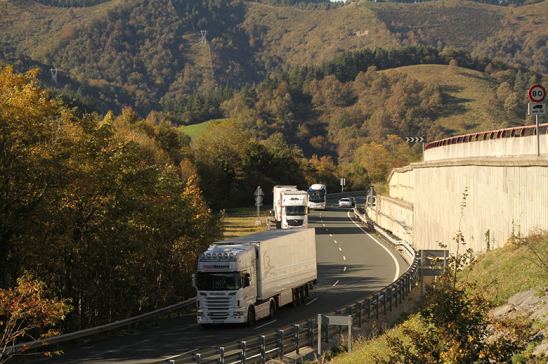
103,328
519,131
398,243
304,334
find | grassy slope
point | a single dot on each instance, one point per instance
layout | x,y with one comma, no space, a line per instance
311,36
448,22
195,130
504,272
514,269
469,96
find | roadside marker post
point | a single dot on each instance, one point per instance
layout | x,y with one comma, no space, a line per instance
258,202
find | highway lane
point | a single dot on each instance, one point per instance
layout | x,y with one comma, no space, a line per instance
351,264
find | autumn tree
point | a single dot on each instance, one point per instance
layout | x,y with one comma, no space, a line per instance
27,314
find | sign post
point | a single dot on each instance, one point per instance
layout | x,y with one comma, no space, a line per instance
536,94
258,202
343,183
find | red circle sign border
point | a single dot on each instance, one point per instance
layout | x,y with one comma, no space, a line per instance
531,89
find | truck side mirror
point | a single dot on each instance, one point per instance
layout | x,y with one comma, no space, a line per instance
247,280
194,280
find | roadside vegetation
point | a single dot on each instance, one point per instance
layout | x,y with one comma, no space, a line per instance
455,326
243,221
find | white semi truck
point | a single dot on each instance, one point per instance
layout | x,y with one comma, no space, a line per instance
290,207
248,278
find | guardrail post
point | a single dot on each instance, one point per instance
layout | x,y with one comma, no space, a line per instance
221,355
296,327
368,309
198,358
281,335
390,290
360,314
326,331
377,305
401,291
263,348
339,313
384,301
311,325
243,348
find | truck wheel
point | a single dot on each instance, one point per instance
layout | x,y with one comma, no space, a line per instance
306,291
250,317
272,309
295,301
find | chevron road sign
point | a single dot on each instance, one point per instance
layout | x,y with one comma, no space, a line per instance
414,139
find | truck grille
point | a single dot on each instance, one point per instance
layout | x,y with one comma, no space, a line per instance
217,303
294,222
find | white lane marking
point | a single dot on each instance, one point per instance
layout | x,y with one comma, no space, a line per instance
396,276
263,325
340,249
335,241
344,258
330,235
344,269
334,284
311,301
179,355
323,224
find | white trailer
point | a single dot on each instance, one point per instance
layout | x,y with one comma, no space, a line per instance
244,279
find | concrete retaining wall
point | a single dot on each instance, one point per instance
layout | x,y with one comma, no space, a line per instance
394,215
505,196
522,146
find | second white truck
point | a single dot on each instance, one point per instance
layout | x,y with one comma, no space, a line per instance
244,279
290,207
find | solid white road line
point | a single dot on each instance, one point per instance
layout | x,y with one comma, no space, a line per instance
334,284
263,325
311,301
179,355
382,245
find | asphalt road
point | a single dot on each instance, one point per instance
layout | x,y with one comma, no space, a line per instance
351,264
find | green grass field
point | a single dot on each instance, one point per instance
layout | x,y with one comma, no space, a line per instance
242,221
195,130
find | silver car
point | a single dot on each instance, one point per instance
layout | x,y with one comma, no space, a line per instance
345,202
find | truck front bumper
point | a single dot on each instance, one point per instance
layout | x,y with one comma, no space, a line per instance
221,317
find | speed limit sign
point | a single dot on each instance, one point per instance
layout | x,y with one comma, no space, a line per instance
537,93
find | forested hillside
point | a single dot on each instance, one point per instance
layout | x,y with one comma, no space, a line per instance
158,56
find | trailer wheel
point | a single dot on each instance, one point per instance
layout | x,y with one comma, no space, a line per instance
272,309
295,302
306,292
250,316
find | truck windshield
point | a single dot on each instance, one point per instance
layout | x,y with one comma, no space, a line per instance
218,281
294,210
316,195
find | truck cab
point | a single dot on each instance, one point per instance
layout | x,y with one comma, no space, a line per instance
226,284
294,209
